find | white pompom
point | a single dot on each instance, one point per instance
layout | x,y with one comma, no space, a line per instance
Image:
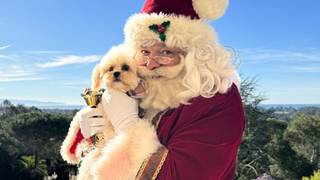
210,9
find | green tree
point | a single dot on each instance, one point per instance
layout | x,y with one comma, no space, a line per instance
41,134
29,167
303,134
31,132
274,146
253,156
286,163
315,176
6,171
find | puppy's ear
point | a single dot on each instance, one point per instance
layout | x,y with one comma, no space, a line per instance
96,78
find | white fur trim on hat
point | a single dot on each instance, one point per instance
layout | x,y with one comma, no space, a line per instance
183,32
210,9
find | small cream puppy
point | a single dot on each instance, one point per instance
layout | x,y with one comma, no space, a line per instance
117,71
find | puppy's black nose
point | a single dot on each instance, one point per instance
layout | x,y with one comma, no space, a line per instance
116,75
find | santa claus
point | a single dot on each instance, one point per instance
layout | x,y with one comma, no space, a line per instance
194,116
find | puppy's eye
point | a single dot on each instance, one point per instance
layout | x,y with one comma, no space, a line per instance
111,68
125,67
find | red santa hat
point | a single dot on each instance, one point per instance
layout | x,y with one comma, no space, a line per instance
177,23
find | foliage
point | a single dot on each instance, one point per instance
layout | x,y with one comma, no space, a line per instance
274,146
296,151
315,176
303,135
287,162
249,94
29,167
253,157
30,136
283,148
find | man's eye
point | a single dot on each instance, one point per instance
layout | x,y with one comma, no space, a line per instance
166,52
145,52
125,67
111,68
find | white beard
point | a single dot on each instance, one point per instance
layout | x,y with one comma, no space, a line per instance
162,93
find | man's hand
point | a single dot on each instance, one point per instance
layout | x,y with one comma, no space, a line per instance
120,109
91,121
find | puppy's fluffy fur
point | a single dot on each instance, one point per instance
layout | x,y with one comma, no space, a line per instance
118,71
158,96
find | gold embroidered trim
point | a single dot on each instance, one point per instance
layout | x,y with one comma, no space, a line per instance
152,165
164,157
157,118
142,168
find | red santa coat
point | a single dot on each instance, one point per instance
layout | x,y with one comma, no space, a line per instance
197,141
202,138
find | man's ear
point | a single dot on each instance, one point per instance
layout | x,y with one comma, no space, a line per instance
96,78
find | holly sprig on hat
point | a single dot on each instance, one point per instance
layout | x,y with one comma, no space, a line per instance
160,29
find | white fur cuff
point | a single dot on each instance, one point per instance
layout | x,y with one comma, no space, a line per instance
74,128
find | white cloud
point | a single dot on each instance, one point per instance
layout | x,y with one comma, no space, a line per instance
260,55
76,84
9,57
306,93
306,69
45,52
20,79
71,59
5,47
16,73
6,56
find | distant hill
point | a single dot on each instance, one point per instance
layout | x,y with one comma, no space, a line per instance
59,105
43,104
295,106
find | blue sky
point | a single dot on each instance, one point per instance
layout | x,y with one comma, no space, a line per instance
49,47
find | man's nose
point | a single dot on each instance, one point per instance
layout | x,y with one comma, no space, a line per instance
152,64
